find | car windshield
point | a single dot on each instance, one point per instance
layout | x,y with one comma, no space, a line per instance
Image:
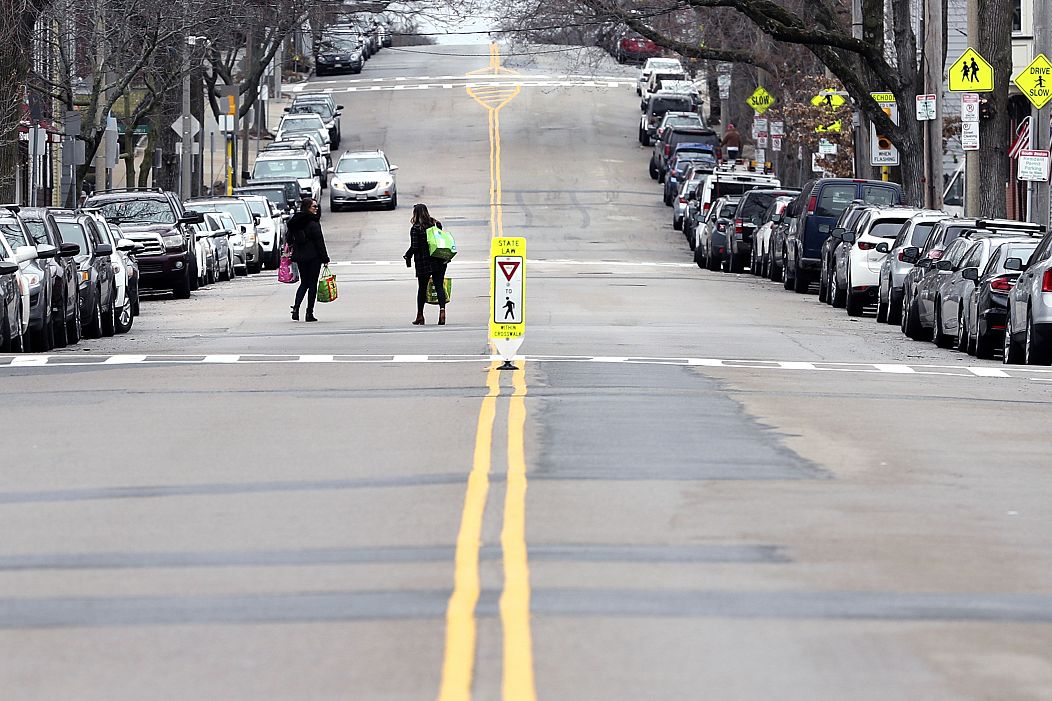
319,108
661,105
301,122
756,206
258,207
274,195
72,232
282,168
143,211
886,228
920,234
361,164
13,233
238,210
37,230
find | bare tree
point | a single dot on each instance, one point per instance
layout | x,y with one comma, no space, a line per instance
17,21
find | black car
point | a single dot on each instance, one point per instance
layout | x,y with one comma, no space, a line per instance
156,220
36,274
659,103
63,269
10,305
710,245
986,316
338,54
747,219
97,286
664,147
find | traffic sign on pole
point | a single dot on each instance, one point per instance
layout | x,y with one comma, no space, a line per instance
882,151
970,73
760,100
830,99
1036,81
507,324
1033,165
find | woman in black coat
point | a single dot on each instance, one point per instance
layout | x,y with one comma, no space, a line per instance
427,268
308,252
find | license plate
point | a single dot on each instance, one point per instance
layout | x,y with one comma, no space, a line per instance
337,65
362,197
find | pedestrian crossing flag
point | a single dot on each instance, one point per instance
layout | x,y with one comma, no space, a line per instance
1036,81
970,73
507,323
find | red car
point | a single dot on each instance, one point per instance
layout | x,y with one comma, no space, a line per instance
633,47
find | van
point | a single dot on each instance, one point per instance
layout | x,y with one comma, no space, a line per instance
813,214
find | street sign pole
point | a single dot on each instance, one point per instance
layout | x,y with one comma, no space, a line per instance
1040,127
971,158
507,323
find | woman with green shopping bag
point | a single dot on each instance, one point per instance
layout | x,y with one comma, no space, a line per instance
428,268
308,252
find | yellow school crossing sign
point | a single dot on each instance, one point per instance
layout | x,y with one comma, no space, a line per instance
760,100
970,73
1036,81
830,99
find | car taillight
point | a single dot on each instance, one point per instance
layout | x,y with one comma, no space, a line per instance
738,226
902,255
1046,281
705,207
865,245
1004,283
668,149
935,254
682,200
811,204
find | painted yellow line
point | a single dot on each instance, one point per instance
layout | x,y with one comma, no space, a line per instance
518,682
461,629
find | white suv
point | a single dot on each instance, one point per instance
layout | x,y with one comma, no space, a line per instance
285,165
652,64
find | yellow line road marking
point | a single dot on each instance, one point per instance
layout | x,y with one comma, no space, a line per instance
518,682
461,630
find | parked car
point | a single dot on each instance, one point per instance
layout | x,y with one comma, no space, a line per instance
856,262
36,275
157,221
845,222
815,211
986,315
245,220
62,268
672,137
327,110
269,228
761,250
363,178
14,301
221,234
283,194
724,182
337,54
285,165
920,283
236,239
632,47
656,80
676,119
125,275
652,64
1028,327
660,104
684,166
687,190
747,219
710,244
896,266
98,286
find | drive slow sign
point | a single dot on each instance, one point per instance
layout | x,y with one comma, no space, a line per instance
507,323
1036,81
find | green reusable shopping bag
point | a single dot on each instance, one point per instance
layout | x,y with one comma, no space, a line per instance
327,286
432,295
440,244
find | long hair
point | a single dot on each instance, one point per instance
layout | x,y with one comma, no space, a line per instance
421,217
305,204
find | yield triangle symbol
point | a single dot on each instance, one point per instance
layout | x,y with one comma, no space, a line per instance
508,267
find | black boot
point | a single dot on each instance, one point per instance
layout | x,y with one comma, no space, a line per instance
310,315
295,314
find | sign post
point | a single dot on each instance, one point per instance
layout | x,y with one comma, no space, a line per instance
507,324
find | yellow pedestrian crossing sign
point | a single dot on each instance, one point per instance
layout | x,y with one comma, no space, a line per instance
829,99
1036,81
836,126
760,100
970,73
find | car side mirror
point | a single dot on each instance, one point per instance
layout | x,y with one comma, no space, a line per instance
103,250
970,274
245,175
243,228
256,219
192,217
882,247
847,236
47,251
823,228
944,265
910,254
24,254
126,245
339,107
924,263
68,250
8,268
1014,264
288,109
776,218
393,168
331,171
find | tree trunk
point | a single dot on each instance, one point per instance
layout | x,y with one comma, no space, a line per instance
911,160
16,46
995,44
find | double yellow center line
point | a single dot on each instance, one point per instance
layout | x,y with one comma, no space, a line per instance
458,665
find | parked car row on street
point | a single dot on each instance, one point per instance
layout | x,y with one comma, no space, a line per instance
983,287
68,274
345,47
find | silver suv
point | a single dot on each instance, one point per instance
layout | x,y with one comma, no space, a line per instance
363,177
1028,331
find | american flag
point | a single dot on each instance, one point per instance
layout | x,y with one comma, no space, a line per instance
1022,139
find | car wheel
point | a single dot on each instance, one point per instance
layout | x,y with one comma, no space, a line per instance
1013,350
882,309
894,310
774,271
836,295
1035,348
333,207
735,263
712,262
853,302
73,327
983,347
940,339
823,285
93,329
109,320
910,324
59,331
788,281
124,317
182,288
393,204
961,342
654,173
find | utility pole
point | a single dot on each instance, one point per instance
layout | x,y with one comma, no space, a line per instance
933,76
186,150
863,169
1042,42
971,158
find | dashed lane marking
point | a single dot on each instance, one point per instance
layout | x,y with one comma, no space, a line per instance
64,360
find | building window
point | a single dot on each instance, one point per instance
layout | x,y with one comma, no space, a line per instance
1017,15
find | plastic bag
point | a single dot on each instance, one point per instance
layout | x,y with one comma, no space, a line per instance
440,244
327,291
432,294
287,270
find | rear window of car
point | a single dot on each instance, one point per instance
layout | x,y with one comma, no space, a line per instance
662,105
880,195
920,234
753,207
834,199
887,228
722,189
728,209
687,138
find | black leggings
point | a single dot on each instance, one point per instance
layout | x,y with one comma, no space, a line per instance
309,274
438,276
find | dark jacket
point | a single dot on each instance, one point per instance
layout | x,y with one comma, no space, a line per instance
306,239
732,139
419,251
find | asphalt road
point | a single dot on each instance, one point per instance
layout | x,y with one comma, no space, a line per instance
696,486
